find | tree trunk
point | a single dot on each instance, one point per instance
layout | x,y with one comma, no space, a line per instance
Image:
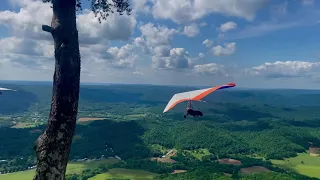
53,146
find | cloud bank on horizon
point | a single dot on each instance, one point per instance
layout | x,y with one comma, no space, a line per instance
255,43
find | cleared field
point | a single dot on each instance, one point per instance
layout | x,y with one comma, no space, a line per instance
314,151
72,168
254,169
302,164
121,173
164,160
230,161
178,171
167,158
200,153
136,115
23,125
86,119
158,147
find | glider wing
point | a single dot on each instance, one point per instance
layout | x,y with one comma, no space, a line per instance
195,95
6,89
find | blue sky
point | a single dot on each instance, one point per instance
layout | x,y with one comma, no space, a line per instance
255,43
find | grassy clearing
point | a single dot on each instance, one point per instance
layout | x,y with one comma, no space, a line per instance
86,119
157,147
137,115
24,125
72,168
199,153
302,164
121,173
254,169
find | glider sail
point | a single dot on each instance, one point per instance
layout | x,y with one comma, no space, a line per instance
195,95
6,89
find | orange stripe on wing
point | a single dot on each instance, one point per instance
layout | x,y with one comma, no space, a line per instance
202,95
177,102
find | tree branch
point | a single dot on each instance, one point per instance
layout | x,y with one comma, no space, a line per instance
47,28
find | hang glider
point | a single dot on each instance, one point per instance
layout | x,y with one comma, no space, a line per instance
195,95
5,89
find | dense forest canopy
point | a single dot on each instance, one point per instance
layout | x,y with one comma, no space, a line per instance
237,124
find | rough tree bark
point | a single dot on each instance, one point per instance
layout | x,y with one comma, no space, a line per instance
53,146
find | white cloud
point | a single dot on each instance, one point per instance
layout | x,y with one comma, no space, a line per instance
203,24
228,26
27,22
226,50
124,57
281,19
162,51
285,69
201,55
207,43
138,73
177,59
116,27
29,47
160,35
140,6
191,30
307,2
182,11
210,69
26,52
140,42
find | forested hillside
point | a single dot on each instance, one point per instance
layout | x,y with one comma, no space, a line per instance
254,127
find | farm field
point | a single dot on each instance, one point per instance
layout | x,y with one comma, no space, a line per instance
72,168
120,173
127,123
303,164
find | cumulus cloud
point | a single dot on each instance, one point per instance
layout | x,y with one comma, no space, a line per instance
30,47
210,69
162,51
182,11
140,6
284,69
177,59
307,2
124,57
201,55
32,15
203,24
207,43
138,73
191,30
160,35
228,26
26,52
140,42
116,27
226,50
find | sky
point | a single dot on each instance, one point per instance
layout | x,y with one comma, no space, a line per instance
254,43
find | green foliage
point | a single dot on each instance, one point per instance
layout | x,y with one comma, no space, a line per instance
86,174
236,124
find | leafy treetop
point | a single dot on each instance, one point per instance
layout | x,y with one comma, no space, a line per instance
102,8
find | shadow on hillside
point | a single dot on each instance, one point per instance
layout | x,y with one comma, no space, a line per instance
123,137
256,126
108,95
306,123
16,101
89,140
17,142
239,114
